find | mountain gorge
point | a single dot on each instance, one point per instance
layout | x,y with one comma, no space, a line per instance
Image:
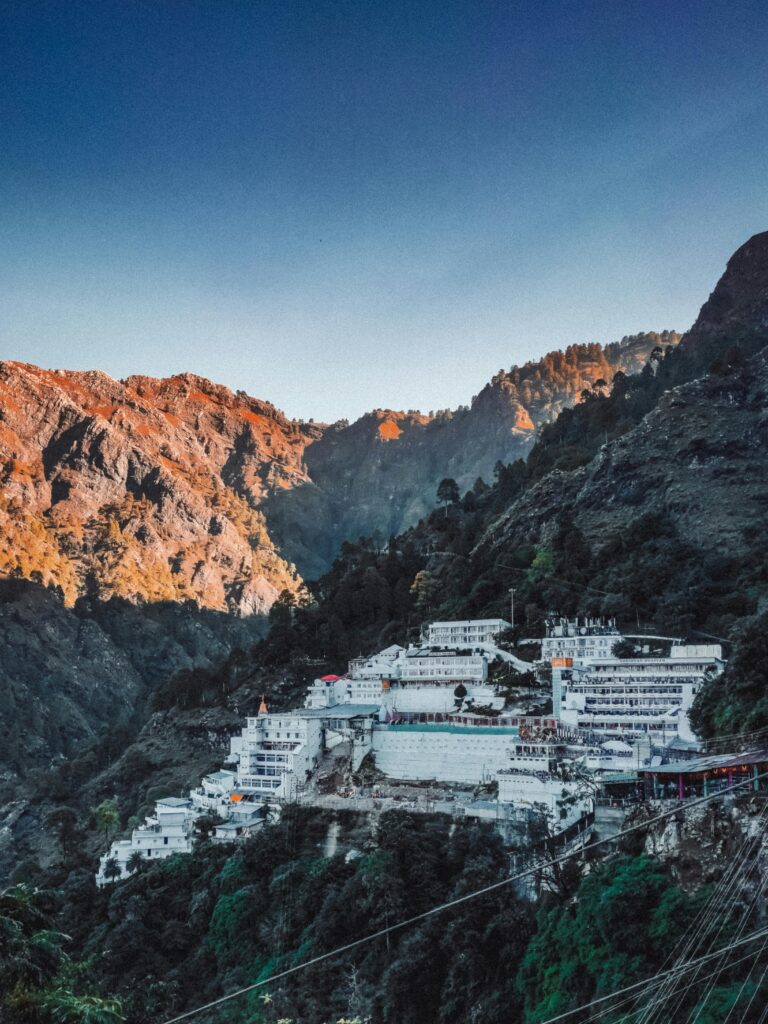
380,474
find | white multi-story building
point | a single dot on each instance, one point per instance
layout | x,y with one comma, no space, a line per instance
167,832
276,753
330,690
464,632
422,664
584,640
634,696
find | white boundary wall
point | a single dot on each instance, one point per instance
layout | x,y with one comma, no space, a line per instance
408,753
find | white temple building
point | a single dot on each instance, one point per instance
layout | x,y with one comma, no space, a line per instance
631,697
585,640
276,753
464,632
430,712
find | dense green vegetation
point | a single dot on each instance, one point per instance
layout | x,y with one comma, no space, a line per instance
39,982
738,702
627,919
187,929
183,931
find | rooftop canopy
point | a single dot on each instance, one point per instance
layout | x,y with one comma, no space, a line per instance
710,763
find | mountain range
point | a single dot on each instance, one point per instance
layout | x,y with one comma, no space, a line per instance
144,522
181,490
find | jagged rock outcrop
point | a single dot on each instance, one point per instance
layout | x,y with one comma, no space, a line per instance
145,489
698,844
699,457
739,302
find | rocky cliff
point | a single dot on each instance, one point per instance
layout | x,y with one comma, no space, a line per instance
180,489
144,489
380,474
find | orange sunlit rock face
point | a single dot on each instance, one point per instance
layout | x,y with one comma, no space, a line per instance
389,430
147,489
523,420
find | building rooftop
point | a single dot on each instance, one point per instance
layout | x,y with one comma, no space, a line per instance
463,623
709,763
233,826
470,730
173,801
446,650
339,711
220,776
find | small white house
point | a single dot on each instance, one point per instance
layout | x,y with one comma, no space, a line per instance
169,831
212,795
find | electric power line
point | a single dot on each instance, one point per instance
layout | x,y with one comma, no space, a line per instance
502,883
761,933
655,985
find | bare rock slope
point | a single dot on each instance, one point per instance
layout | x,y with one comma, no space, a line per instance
146,489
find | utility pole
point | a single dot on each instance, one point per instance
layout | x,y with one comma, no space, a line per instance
512,605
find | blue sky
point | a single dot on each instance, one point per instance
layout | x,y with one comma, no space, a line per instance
345,205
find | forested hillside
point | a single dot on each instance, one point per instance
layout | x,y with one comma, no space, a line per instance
185,931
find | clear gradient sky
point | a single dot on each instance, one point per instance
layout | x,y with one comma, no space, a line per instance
343,205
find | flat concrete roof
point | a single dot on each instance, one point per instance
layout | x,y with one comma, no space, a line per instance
698,765
469,730
340,711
